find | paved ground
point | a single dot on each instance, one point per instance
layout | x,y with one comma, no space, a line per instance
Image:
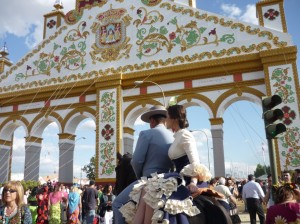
244,216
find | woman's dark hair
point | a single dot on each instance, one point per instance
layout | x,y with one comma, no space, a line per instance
284,193
178,112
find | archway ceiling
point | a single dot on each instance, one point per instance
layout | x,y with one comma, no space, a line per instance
129,38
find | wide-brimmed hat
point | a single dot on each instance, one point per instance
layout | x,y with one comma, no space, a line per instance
157,109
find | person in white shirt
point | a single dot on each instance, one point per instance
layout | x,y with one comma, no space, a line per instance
254,195
1,190
221,188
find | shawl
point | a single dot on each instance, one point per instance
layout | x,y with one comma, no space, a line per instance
73,201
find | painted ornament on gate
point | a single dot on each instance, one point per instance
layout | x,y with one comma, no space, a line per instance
271,14
151,2
111,42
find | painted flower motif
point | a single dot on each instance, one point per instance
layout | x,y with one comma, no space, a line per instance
212,32
172,36
51,24
291,149
56,58
271,14
280,220
107,132
288,115
139,11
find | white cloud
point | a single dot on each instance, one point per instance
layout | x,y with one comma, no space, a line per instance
248,15
231,10
87,125
139,122
27,18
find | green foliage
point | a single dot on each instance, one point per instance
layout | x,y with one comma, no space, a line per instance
261,170
30,184
90,169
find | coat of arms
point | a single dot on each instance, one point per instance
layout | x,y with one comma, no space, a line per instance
111,42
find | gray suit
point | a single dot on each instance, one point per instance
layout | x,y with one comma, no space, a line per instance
150,156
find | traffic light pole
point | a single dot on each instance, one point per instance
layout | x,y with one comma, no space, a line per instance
273,162
273,167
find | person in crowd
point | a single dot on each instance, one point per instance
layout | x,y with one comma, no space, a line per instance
64,203
213,183
106,214
268,199
233,203
43,203
1,190
286,176
150,155
100,197
243,182
286,209
254,195
221,188
74,205
26,195
54,204
166,200
13,209
89,202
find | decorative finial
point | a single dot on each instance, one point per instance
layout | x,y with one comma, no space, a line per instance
58,4
4,51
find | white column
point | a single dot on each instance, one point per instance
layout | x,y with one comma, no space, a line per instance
66,158
4,162
218,146
33,147
128,140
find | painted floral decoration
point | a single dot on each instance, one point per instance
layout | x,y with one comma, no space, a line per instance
271,14
51,24
288,115
107,132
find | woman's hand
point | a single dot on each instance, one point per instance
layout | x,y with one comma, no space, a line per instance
192,187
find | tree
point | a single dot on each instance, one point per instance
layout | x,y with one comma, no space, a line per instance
261,170
90,169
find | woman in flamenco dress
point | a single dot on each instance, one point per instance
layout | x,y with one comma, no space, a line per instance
166,198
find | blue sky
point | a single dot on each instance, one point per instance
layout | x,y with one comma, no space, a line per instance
21,28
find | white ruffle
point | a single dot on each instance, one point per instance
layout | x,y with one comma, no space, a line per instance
197,170
128,211
181,206
158,186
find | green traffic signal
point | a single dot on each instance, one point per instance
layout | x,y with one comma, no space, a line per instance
270,116
275,129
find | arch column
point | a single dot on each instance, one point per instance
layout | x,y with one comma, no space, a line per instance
128,140
5,150
218,146
66,146
33,148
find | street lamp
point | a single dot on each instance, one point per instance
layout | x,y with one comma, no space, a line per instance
79,139
207,146
141,82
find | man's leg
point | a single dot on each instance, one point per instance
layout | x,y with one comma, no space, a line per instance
252,209
260,213
90,217
120,200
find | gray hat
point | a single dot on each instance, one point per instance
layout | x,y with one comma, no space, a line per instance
157,109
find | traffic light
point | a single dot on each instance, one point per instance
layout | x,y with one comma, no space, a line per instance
271,115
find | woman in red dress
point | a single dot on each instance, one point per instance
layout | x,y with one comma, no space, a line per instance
43,211
286,210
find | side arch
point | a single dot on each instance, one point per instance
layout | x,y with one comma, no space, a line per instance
232,95
42,120
134,110
71,121
195,99
9,125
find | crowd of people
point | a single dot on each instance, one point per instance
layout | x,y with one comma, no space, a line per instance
169,185
56,204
